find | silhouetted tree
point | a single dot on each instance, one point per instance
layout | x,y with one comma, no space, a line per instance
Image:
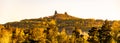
77,32
77,36
105,33
93,35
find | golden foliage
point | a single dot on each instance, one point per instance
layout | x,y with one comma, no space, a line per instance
5,35
48,30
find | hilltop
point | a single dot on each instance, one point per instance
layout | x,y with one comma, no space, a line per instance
61,21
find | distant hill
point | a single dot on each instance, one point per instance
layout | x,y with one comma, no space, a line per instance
61,21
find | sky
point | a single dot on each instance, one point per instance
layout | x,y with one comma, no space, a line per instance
16,10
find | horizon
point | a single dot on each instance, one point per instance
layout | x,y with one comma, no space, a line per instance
16,10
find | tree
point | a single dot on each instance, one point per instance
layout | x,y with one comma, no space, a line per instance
105,35
52,33
93,35
37,35
77,32
77,36
63,37
118,37
18,35
5,35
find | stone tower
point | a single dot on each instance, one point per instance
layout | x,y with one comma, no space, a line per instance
55,12
65,13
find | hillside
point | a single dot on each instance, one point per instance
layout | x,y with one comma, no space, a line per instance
61,21
59,28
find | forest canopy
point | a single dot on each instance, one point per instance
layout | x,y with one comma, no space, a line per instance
60,28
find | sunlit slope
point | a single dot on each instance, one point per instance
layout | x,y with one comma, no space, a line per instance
62,21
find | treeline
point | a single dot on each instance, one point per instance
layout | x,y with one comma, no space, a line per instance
60,28
50,34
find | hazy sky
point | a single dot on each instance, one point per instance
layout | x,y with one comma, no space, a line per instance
15,10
